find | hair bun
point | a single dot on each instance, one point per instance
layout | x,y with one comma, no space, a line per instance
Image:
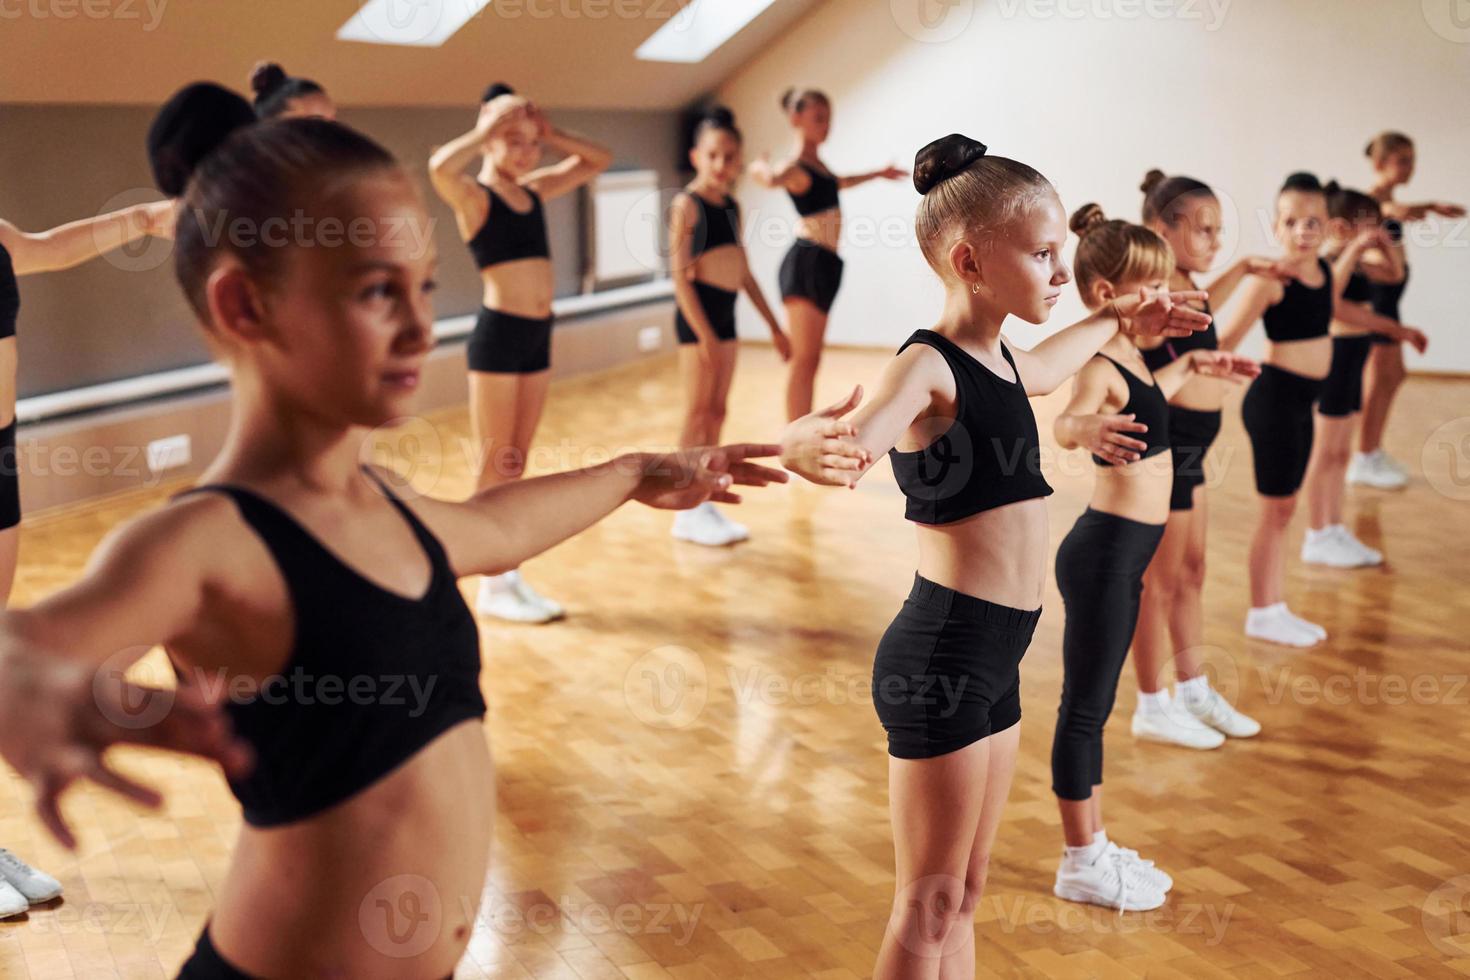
1302,181
1087,218
944,158
266,77
1151,180
189,126
720,115
1331,187
496,90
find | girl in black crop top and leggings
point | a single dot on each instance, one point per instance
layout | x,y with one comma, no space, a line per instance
1120,407
707,262
1186,214
306,601
811,270
1278,408
500,215
952,410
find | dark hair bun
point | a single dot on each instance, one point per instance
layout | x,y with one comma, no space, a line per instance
1331,187
188,127
1087,218
1302,181
496,90
266,77
787,97
720,116
1151,180
944,158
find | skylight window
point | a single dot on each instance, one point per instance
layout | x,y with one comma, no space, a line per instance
699,28
409,22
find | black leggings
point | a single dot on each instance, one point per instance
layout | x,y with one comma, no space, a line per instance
208,964
1100,567
1342,389
1277,412
9,478
1191,434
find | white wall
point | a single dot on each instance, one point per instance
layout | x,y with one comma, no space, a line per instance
1093,93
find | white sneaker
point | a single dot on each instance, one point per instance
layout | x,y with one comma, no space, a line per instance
1391,464
12,902
1221,715
1110,881
734,529
501,599
701,525
1317,631
36,886
1175,726
1325,546
1144,868
1370,556
1373,470
553,608
1275,625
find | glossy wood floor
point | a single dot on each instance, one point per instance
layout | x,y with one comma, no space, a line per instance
693,781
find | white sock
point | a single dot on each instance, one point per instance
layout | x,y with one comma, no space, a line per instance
1194,690
1101,837
1155,703
1313,533
1085,855
502,583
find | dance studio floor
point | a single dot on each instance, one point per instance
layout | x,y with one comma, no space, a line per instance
692,782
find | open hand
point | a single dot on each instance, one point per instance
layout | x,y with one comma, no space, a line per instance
678,481
823,448
1161,312
1223,364
1104,436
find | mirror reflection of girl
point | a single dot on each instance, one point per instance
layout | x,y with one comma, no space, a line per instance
953,412
811,270
1392,156
22,254
709,270
1278,409
1119,411
1186,213
1352,217
500,217
294,572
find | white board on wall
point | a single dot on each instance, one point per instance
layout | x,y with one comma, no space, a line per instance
625,227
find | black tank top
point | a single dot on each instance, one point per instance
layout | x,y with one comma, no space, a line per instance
1358,289
9,295
1304,313
990,454
513,235
1146,404
1174,348
714,225
372,676
820,196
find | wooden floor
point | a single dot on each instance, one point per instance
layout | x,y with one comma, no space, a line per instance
693,781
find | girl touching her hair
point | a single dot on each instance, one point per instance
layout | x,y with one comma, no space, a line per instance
952,410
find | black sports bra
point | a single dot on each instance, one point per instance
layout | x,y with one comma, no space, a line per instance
373,676
513,235
1359,288
820,196
1304,313
714,225
989,456
9,295
1157,358
1146,403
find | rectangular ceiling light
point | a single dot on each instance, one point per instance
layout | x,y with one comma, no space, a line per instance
699,28
410,22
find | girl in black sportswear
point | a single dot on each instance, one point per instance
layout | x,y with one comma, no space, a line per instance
303,586
811,270
708,266
499,213
1121,407
952,410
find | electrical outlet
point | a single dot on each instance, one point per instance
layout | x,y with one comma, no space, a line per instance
168,453
650,338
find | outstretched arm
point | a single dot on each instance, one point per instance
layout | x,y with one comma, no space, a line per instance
889,173
1082,424
76,242
1257,296
787,175
63,699
1252,265
1209,363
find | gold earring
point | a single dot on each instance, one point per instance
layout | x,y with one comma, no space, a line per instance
974,287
